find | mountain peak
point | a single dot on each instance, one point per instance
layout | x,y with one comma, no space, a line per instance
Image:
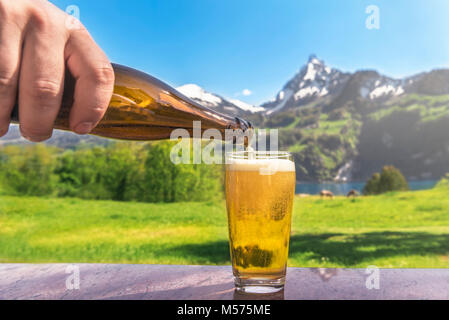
313,59
217,102
195,92
315,68
314,80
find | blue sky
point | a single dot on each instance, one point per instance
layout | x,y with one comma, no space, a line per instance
230,45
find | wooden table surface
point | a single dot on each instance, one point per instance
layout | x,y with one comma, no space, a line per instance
169,282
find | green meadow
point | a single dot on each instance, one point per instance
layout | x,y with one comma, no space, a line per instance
404,229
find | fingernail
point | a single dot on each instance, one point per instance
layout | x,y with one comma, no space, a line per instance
84,128
36,138
33,137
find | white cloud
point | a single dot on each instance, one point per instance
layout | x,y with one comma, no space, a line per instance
247,92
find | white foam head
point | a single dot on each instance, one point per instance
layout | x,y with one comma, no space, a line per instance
264,166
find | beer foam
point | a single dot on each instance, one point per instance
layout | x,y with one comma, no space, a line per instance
261,165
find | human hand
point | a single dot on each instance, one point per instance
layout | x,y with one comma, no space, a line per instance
37,44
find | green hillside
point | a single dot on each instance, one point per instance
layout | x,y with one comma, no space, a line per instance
407,229
408,131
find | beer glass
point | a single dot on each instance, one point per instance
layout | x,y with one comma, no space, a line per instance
260,188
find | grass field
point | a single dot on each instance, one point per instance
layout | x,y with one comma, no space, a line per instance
408,229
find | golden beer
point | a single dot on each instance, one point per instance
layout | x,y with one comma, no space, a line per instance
259,195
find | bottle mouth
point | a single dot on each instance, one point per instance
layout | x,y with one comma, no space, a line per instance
243,124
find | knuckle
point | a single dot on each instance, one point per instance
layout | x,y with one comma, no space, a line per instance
103,76
97,112
44,91
92,113
39,18
74,25
7,82
80,31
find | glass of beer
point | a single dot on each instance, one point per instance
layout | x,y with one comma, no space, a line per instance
260,188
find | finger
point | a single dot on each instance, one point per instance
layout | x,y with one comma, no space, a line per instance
10,50
41,81
94,78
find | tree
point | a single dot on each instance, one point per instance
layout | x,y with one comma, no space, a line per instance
169,182
119,171
112,172
390,179
28,170
372,185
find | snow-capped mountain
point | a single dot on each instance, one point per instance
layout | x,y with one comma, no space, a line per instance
313,81
381,87
317,80
216,102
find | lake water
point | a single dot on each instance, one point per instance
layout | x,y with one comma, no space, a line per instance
344,188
